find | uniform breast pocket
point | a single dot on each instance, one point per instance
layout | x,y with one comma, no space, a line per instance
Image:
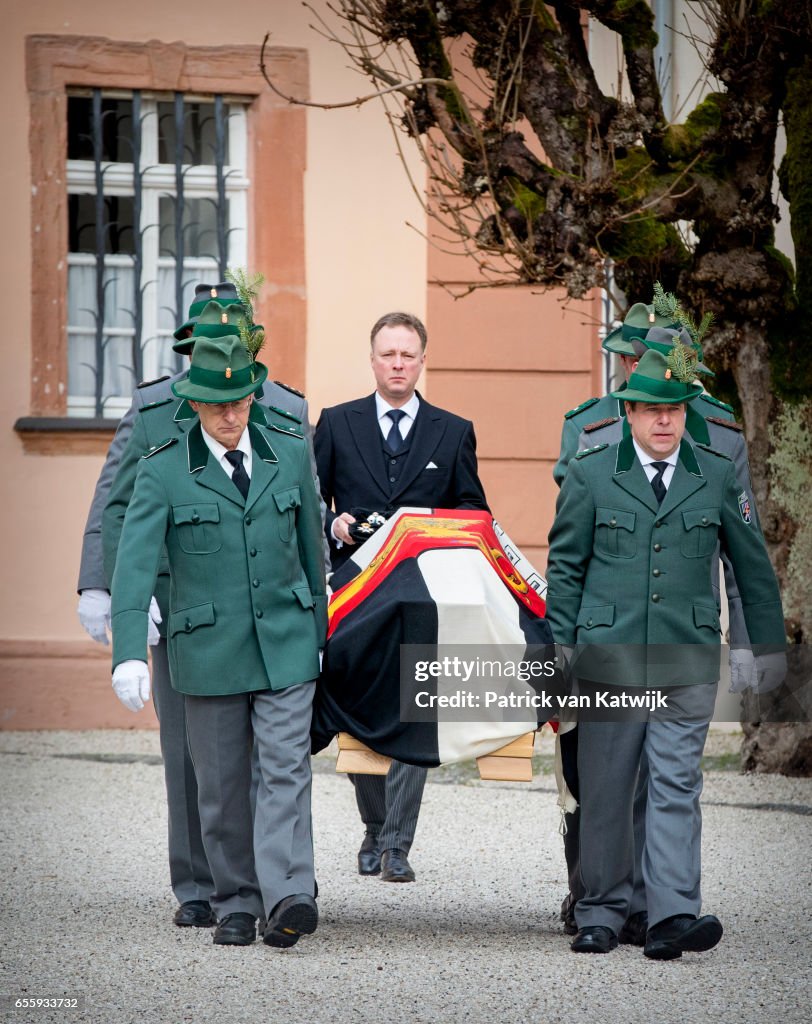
701,532
287,503
614,532
198,527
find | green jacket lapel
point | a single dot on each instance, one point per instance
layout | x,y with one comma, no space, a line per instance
206,470
687,479
630,475
264,464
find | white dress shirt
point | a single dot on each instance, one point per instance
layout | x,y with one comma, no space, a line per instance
219,452
385,423
646,461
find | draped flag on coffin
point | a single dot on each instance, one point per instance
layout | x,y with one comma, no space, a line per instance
431,577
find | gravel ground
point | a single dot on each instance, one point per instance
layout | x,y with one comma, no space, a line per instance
87,908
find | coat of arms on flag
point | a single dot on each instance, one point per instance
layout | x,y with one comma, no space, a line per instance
429,579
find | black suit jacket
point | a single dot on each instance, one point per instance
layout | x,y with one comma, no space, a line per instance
352,471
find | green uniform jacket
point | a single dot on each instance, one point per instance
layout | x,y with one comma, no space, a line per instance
622,571
247,601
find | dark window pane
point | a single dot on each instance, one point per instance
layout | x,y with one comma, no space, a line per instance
199,227
115,127
118,236
199,133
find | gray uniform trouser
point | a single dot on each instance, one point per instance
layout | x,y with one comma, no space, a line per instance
609,758
188,868
258,860
389,804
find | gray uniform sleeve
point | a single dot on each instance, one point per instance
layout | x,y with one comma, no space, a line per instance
91,567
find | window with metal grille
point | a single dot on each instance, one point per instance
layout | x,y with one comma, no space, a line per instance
157,202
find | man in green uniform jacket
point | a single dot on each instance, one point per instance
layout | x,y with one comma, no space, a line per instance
629,567
235,507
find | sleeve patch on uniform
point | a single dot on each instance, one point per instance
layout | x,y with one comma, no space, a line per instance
600,423
287,387
591,451
730,424
745,508
580,408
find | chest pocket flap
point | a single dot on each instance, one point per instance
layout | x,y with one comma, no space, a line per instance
701,531
289,498
614,532
203,512
287,501
196,524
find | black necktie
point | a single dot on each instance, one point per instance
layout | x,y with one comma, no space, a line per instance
395,438
657,484
239,476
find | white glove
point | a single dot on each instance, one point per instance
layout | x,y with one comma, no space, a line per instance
94,614
153,634
742,669
131,683
770,672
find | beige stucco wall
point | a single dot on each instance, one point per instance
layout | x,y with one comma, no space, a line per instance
361,260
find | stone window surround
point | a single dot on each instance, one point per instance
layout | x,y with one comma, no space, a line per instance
276,164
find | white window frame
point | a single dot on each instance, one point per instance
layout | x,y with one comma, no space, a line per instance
158,180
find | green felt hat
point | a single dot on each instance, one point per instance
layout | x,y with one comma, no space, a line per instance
215,320
224,293
222,370
637,323
659,380
663,339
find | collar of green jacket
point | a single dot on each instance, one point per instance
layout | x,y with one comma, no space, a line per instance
626,456
198,450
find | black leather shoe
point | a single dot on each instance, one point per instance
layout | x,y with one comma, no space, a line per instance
595,939
395,867
235,930
568,915
669,939
633,932
369,856
194,914
293,916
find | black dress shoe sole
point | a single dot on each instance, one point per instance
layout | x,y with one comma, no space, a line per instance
194,917
699,938
390,876
295,920
590,946
234,938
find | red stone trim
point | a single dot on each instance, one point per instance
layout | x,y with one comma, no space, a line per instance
276,169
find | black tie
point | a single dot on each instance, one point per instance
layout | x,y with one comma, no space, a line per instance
239,476
657,484
395,439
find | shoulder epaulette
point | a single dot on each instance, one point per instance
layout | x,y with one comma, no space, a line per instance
284,412
156,405
730,424
283,428
716,401
600,423
160,447
713,451
590,451
580,408
146,383
287,387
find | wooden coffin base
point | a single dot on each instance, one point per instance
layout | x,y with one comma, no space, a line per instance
511,763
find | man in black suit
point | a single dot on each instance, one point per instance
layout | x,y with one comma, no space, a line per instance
380,453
